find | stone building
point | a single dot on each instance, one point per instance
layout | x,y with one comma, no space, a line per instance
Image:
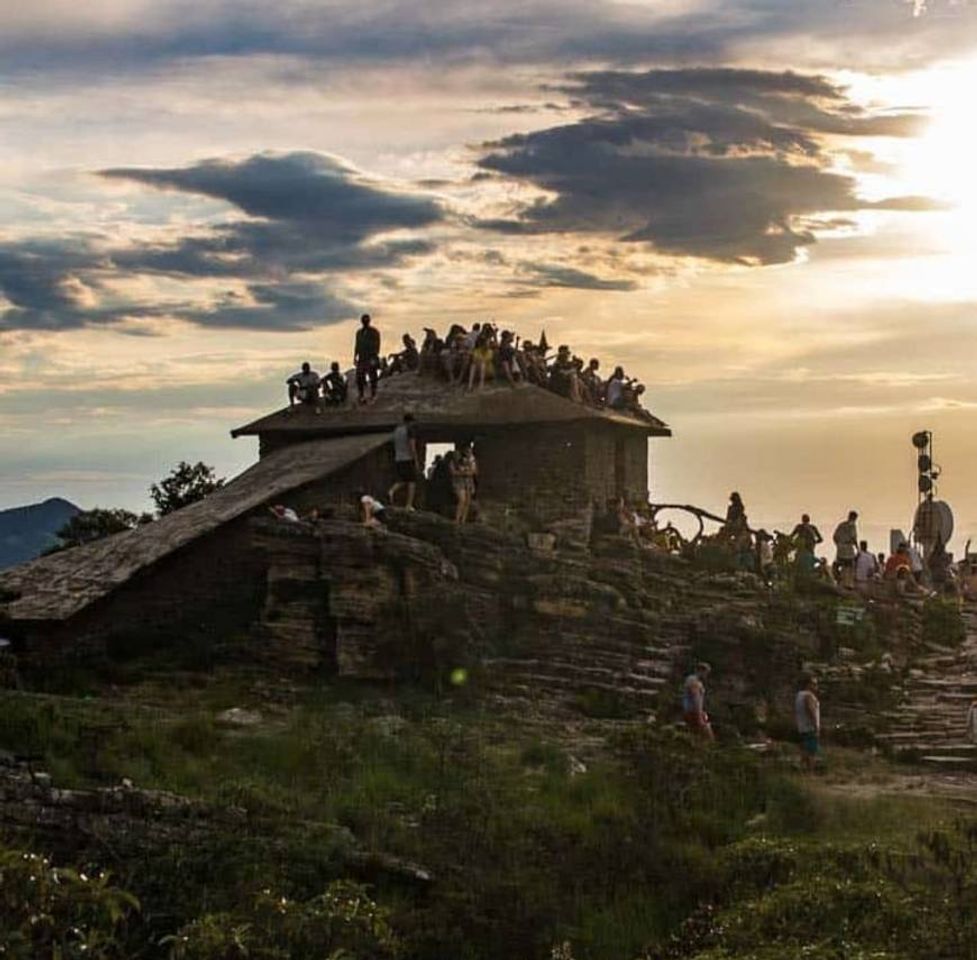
538,453
542,458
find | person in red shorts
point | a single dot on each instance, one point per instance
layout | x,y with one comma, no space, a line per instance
694,702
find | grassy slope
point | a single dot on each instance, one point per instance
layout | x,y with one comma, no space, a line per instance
530,845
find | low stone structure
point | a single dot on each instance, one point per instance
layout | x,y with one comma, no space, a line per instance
543,460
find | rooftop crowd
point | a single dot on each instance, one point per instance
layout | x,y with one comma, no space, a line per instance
468,359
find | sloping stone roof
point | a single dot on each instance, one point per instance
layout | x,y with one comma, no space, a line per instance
60,585
436,403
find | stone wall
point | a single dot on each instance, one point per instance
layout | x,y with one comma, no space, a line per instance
535,471
426,597
616,463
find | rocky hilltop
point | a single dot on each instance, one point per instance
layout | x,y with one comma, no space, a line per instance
480,722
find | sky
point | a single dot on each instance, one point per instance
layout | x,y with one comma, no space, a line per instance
764,209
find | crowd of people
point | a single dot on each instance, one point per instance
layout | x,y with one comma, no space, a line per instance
907,571
468,359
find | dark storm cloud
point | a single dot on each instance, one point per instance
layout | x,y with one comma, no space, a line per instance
48,283
281,306
519,31
319,192
309,215
712,163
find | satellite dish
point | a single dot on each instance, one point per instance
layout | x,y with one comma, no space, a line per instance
924,463
925,483
921,440
933,524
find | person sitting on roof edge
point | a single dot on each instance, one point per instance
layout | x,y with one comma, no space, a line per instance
334,387
303,387
614,391
563,375
593,386
406,458
507,361
366,357
407,361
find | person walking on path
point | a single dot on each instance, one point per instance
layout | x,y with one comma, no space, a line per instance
846,544
694,702
405,461
807,712
366,358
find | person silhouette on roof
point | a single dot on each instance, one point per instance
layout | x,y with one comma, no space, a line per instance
366,358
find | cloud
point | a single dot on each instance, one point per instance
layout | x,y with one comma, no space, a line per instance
719,164
55,285
554,275
310,213
298,219
329,198
135,35
281,306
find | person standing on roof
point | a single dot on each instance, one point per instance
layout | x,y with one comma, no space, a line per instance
366,357
405,461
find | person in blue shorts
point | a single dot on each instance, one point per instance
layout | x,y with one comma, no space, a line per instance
807,712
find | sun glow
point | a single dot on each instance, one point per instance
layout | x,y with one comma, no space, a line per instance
941,163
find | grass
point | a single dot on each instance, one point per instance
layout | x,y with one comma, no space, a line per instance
528,848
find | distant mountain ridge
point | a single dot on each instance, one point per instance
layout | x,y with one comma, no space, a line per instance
25,532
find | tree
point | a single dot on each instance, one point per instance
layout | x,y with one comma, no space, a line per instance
184,485
91,525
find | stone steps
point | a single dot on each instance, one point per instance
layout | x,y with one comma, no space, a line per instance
931,721
542,686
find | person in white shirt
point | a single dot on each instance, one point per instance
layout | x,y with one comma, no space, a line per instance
916,563
866,567
372,511
807,713
303,387
614,391
282,512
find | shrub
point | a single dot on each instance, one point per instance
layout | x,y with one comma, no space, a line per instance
55,913
341,924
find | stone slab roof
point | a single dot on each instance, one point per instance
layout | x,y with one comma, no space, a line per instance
436,403
62,584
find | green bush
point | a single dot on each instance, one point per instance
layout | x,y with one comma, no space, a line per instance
343,923
55,913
